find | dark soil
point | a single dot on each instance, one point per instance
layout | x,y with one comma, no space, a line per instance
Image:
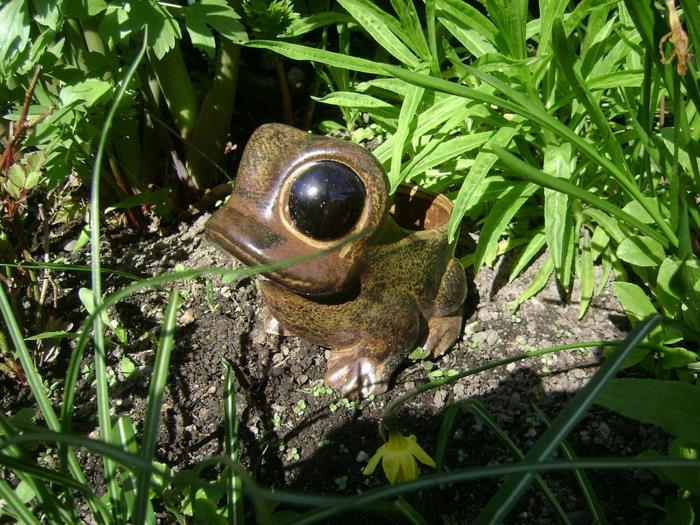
297,435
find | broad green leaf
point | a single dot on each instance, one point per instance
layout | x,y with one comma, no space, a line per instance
220,16
14,21
115,23
406,118
665,294
636,210
532,250
676,357
557,163
684,478
200,35
538,283
634,301
163,28
499,218
46,13
586,275
671,405
90,91
686,284
83,9
477,173
641,251
679,511
383,28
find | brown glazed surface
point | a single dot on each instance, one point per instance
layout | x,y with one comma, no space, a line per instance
373,300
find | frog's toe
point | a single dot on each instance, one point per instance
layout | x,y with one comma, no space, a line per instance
355,376
271,324
443,333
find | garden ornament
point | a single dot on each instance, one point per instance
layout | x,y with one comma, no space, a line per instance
377,297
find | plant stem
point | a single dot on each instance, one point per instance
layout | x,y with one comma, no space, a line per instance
214,122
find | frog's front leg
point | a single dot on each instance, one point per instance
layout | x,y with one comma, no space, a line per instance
445,323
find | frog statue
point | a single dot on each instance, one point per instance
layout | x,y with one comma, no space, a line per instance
376,297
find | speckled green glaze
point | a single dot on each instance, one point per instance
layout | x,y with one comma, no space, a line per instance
374,300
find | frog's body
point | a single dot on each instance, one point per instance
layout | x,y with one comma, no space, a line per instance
372,301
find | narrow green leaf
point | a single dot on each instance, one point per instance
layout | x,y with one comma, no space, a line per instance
557,163
383,28
538,283
671,405
297,52
353,100
302,25
483,163
586,276
499,218
527,172
446,150
532,250
471,39
155,399
466,16
565,59
410,22
510,17
406,119
550,10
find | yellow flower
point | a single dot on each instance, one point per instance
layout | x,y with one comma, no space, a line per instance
398,457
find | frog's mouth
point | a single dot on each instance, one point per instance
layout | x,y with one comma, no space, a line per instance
244,237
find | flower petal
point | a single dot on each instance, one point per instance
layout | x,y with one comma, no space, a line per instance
409,468
374,461
391,463
420,454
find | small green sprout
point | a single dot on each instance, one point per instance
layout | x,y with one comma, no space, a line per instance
299,408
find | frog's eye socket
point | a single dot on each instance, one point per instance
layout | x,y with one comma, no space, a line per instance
326,200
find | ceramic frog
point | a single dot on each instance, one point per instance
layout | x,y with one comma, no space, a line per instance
377,297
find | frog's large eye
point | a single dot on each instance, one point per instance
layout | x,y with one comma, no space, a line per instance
326,200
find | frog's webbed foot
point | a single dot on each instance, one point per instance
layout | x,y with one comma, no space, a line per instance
445,324
443,332
356,373
354,376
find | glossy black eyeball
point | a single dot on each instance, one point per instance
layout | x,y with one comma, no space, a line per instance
326,200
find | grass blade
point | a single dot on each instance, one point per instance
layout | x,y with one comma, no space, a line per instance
234,482
19,509
581,478
383,28
155,399
515,486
